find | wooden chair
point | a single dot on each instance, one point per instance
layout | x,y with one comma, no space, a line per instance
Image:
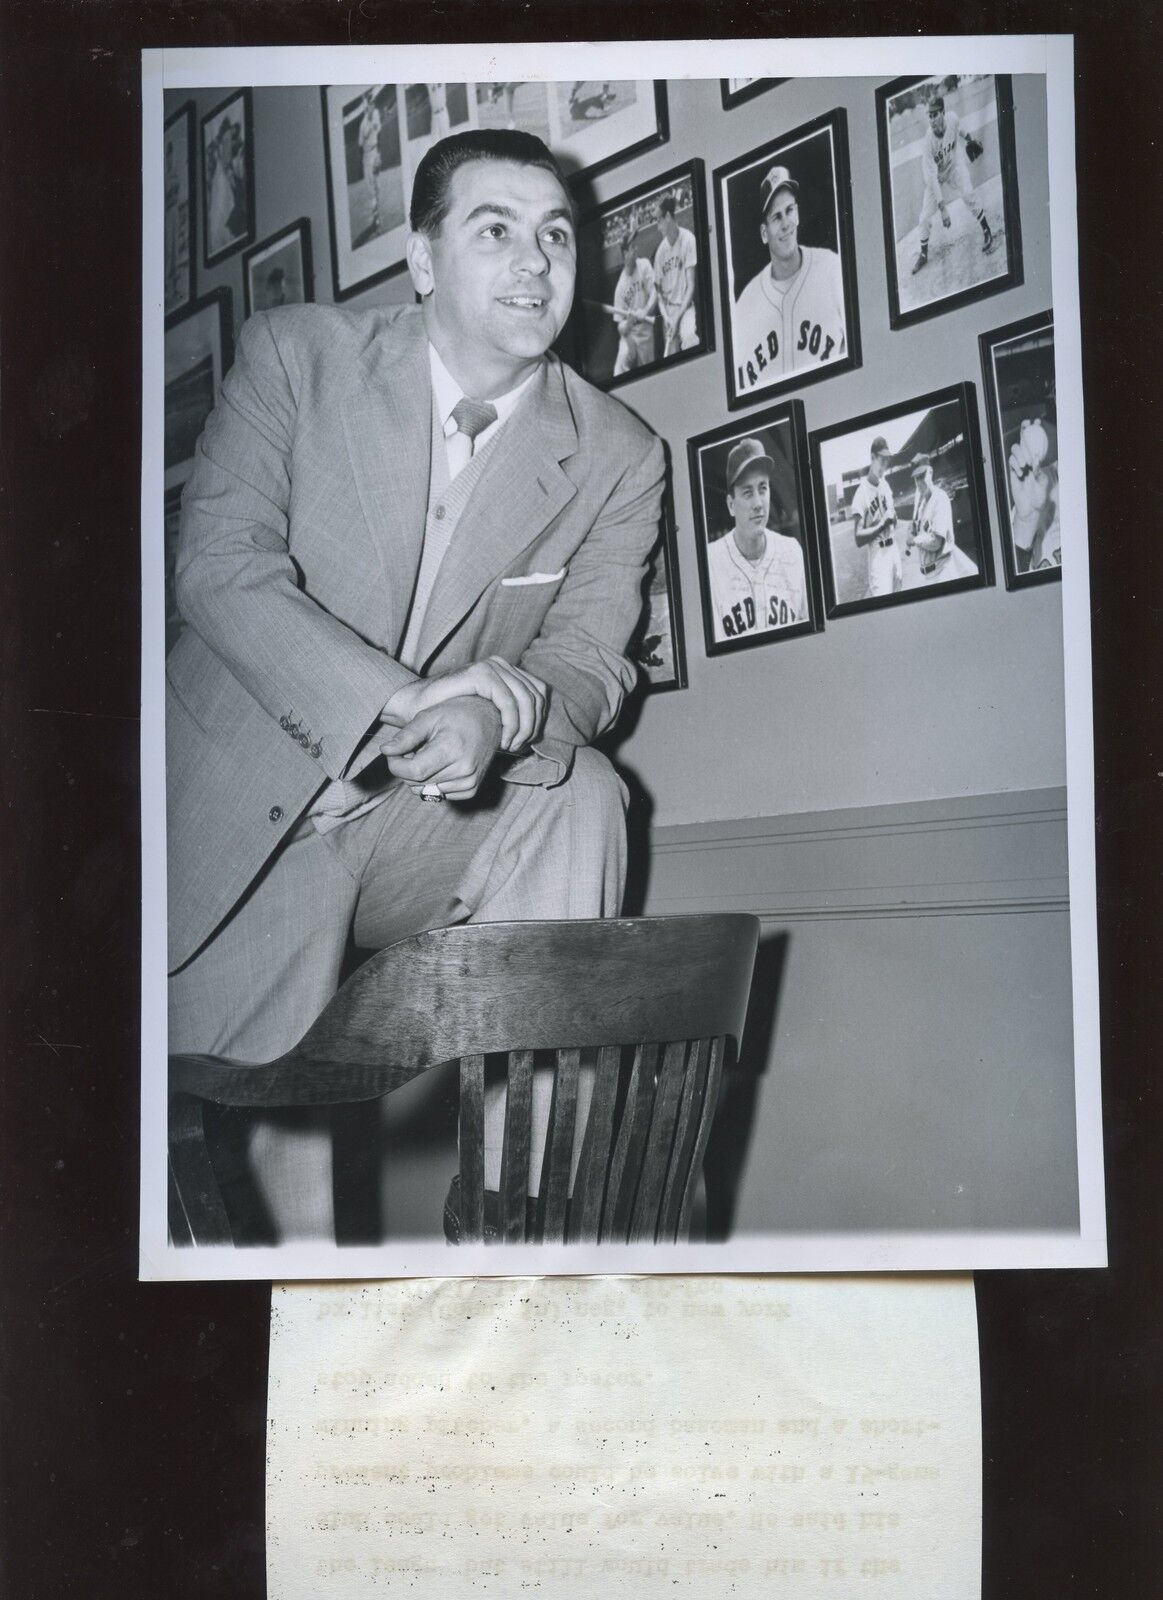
659,1002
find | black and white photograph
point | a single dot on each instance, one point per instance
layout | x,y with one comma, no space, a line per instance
366,199
600,123
277,271
900,495
180,210
658,646
787,262
952,227
1017,364
227,177
389,739
198,352
736,90
753,531
644,280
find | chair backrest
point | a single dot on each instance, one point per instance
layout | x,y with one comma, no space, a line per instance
656,1002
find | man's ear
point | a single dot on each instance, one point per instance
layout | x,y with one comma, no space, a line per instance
418,254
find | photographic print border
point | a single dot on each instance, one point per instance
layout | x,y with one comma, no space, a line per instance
187,112
989,343
784,411
965,396
247,237
301,228
835,121
736,97
704,297
1014,275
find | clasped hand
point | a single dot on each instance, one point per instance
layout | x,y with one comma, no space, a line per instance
449,730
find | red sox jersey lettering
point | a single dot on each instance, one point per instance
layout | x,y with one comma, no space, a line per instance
752,596
782,327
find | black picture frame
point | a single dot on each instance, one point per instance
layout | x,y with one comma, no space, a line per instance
1012,401
199,350
290,250
593,340
943,423
180,210
780,429
658,645
816,155
234,228
953,269
751,88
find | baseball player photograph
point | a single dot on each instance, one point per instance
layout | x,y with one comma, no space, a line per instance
643,297
746,484
787,276
901,497
1018,366
277,271
949,191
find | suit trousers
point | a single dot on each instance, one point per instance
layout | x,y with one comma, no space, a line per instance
517,852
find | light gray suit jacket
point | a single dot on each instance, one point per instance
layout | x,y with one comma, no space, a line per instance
302,529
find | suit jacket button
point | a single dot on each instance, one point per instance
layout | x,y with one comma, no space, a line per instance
316,750
440,513
293,730
284,722
275,813
304,741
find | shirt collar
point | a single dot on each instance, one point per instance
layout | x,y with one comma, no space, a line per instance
447,392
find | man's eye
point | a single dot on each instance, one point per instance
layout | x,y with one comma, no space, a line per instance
558,236
495,230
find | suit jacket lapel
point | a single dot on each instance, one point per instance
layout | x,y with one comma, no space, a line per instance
388,425
521,489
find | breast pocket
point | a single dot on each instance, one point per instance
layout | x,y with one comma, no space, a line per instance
516,610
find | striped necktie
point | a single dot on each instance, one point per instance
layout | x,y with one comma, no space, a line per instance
471,417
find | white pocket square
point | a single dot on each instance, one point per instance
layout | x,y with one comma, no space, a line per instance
534,577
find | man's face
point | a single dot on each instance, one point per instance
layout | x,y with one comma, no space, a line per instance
669,227
780,227
499,273
749,501
937,122
876,468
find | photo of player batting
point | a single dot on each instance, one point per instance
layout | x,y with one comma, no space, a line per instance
900,495
756,566
1021,404
786,262
949,186
643,287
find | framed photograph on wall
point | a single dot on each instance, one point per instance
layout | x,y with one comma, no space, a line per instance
367,211
199,347
658,645
735,90
180,210
758,569
900,503
787,263
1017,364
227,177
949,191
277,271
643,295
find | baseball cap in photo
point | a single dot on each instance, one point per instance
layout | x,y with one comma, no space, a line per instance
747,453
776,178
880,446
920,462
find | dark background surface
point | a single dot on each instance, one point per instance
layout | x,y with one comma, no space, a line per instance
133,1415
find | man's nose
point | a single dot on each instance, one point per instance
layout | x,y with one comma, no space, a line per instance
529,255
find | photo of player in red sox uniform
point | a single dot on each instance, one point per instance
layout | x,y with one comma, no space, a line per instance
756,575
930,539
791,314
874,522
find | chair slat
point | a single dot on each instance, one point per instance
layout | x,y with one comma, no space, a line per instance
589,1187
472,1149
707,1116
515,1149
554,1188
644,1218
685,1133
631,1141
193,1175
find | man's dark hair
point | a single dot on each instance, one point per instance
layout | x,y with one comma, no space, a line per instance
666,209
430,202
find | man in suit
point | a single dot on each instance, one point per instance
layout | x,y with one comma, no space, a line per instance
412,554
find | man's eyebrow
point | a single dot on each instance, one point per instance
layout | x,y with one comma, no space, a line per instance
493,208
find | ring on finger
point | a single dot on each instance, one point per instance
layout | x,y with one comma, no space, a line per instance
432,792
